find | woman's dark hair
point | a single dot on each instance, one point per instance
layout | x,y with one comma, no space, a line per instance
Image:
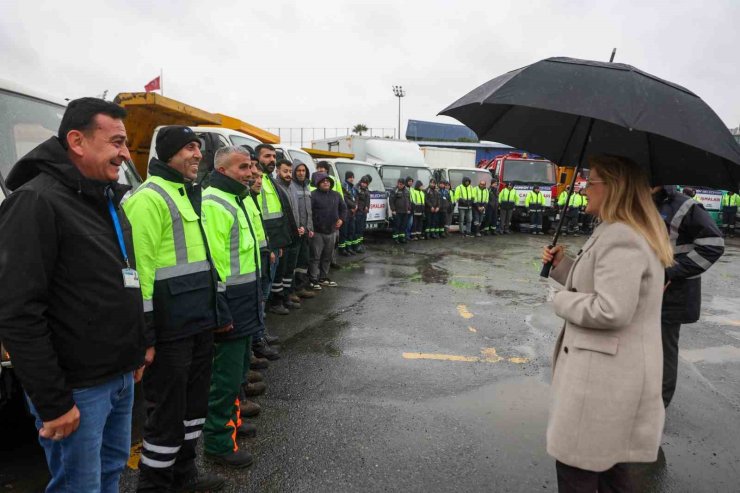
80,115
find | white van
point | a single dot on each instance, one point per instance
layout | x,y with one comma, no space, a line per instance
296,153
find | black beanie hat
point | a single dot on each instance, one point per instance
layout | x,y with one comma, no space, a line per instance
366,179
173,138
348,175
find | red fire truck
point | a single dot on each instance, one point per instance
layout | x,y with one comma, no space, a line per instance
524,173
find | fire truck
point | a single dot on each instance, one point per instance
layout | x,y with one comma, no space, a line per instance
525,172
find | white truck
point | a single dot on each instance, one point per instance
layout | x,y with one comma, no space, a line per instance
395,159
377,217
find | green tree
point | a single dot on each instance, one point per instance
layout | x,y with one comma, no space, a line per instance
359,128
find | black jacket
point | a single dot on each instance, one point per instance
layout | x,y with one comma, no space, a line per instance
432,199
283,231
697,244
327,208
363,199
66,318
400,201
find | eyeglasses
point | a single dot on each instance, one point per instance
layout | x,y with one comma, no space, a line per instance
591,182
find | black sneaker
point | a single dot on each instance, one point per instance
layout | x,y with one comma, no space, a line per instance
328,282
315,285
204,482
239,459
262,350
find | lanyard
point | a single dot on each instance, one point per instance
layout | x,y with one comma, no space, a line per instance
119,231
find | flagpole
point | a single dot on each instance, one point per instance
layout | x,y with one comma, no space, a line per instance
161,80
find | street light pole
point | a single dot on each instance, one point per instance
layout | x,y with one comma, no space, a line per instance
399,92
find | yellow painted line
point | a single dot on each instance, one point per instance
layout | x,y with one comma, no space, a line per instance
488,355
462,310
472,329
134,456
441,357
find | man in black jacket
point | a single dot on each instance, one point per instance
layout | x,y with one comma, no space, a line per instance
328,210
697,244
72,315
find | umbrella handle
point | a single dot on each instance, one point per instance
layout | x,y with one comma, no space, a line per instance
545,272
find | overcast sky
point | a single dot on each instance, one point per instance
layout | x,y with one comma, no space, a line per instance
323,63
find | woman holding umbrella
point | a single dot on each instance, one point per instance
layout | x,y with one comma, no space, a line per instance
606,406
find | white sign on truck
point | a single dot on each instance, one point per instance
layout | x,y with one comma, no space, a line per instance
441,157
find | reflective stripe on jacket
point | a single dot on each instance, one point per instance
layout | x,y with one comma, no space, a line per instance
235,251
178,283
507,195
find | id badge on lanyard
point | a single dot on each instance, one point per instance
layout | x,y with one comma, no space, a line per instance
130,276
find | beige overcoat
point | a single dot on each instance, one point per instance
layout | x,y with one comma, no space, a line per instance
606,405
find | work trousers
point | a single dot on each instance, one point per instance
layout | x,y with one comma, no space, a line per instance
574,480
219,432
489,224
465,219
585,221
322,246
507,210
399,225
409,225
729,216
417,225
347,231
447,221
571,220
432,226
535,219
670,332
360,224
296,262
277,294
478,218
176,389
290,257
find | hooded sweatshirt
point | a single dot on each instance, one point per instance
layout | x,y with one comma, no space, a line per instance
301,200
68,321
326,207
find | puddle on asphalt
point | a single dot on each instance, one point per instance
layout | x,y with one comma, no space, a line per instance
713,355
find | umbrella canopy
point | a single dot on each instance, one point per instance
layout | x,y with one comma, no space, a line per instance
549,107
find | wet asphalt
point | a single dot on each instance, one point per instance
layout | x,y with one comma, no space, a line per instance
427,369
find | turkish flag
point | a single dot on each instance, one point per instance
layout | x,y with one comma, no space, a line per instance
153,85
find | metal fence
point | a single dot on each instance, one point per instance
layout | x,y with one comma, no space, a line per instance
302,136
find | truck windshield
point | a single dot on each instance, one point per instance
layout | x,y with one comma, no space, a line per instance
522,171
360,170
391,174
24,123
456,177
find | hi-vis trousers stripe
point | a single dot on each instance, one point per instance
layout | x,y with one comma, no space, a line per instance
159,456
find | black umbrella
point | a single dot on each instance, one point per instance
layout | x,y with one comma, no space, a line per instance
566,109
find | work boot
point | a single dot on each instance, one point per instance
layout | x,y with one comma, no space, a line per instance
246,430
258,363
277,309
343,252
292,305
239,459
305,293
254,376
478,235
271,339
263,350
359,248
249,409
294,298
254,389
201,482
